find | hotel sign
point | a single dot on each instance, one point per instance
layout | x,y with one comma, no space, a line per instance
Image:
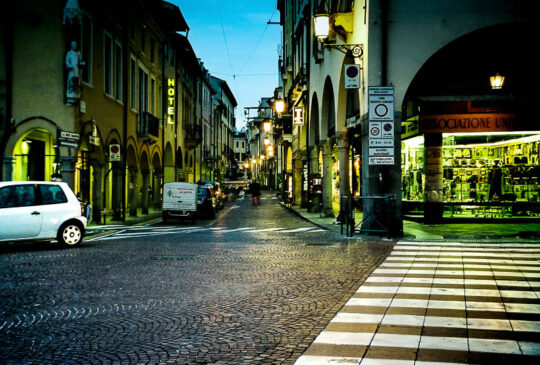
171,105
456,123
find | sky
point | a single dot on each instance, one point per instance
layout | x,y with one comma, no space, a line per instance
236,44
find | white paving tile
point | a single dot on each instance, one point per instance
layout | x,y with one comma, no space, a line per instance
370,302
357,318
378,289
344,338
497,346
326,360
368,361
489,324
446,322
393,340
525,326
403,320
443,343
522,308
530,348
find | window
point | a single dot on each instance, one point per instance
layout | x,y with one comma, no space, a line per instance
143,91
108,62
133,75
86,48
152,50
118,63
143,39
153,96
52,194
17,196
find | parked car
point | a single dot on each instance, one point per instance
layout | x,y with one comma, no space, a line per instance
206,202
39,210
221,196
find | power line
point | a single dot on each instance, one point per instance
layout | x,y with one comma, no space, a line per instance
260,38
224,37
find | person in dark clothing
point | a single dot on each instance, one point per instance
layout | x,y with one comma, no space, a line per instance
255,190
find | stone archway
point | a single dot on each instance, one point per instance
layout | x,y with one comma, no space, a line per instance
17,167
328,132
144,164
132,179
156,181
168,164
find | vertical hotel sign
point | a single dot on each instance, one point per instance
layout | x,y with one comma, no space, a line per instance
381,125
171,98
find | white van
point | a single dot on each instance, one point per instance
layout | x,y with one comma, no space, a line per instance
179,200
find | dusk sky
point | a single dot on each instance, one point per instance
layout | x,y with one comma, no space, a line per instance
233,38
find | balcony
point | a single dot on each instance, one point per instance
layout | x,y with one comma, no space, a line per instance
148,126
193,136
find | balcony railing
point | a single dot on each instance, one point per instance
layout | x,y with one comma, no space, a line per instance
193,136
148,126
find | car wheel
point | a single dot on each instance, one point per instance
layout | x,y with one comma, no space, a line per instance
70,234
165,217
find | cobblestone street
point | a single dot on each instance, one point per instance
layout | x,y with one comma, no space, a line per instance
223,293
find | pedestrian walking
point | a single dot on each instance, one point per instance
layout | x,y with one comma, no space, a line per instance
255,190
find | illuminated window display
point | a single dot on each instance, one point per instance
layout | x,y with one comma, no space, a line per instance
492,175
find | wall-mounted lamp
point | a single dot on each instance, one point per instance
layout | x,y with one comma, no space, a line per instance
496,81
267,126
321,24
279,106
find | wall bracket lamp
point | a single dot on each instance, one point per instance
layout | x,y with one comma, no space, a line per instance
321,23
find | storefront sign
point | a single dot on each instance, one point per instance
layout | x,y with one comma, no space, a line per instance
454,123
298,116
171,107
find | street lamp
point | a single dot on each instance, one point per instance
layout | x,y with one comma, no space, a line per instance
279,106
321,25
267,127
496,81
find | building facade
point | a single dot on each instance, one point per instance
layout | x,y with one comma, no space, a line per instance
435,60
109,97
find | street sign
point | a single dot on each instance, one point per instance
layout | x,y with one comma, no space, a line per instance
381,160
352,76
114,153
381,125
69,135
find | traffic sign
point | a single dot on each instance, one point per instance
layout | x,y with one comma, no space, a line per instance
381,125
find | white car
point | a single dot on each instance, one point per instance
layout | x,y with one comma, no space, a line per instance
39,210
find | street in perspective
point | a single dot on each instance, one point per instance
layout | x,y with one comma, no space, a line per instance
297,182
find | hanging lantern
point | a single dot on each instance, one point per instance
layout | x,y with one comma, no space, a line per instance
321,23
496,81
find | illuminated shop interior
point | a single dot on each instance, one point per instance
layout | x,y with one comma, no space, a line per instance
478,168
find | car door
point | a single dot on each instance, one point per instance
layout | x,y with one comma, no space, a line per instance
19,216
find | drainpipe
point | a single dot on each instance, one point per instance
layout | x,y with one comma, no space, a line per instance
7,163
125,85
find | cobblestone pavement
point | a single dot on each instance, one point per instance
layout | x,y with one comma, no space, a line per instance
246,297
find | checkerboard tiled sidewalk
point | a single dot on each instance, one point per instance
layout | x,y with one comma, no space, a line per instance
440,303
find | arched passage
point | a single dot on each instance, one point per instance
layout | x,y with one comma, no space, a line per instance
455,117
